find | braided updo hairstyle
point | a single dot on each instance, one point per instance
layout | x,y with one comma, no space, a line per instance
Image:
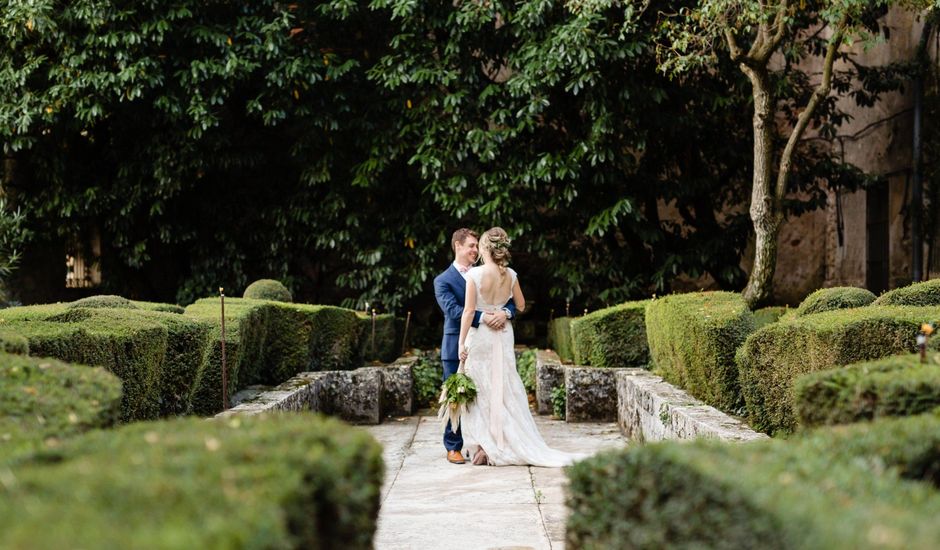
496,242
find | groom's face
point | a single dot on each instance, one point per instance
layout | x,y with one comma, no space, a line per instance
467,251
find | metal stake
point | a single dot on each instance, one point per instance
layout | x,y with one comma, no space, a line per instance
404,338
224,366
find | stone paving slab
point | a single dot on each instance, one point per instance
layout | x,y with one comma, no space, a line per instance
429,503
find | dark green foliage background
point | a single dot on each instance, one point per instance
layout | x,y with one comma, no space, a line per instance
336,145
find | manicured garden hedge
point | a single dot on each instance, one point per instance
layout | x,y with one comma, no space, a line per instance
612,337
157,356
868,486
828,299
774,356
559,338
894,386
692,340
44,401
285,481
387,343
268,289
767,315
267,342
926,293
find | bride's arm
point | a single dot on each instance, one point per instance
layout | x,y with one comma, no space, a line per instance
469,310
518,297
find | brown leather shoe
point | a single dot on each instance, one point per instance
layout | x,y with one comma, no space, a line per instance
454,457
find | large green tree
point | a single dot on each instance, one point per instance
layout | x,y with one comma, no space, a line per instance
763,37
337,144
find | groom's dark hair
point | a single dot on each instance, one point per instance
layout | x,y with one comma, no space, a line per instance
460,236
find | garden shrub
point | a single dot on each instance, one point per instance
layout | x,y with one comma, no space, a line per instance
133,351
268,289
525,366
926,293
766,315
692,341
11,342
104,301
45,401
899,385
158,306
428,373
158,356
280,481
612,337
559,338
559,401
774,356
386,337
840,297
269,342
245,327
864,486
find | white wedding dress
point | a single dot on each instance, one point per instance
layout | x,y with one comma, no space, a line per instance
499,419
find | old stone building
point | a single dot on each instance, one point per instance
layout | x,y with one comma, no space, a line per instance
863,238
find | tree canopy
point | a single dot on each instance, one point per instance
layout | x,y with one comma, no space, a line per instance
336,145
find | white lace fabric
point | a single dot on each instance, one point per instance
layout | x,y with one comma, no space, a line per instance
499,419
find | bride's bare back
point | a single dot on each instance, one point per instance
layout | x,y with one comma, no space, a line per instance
495,285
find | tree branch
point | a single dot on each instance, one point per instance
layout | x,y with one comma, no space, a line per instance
819,94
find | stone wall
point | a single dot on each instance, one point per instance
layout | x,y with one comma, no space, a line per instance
651,409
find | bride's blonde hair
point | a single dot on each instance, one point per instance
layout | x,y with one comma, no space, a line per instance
496,242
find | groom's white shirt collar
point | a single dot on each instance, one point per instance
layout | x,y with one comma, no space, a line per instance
465,274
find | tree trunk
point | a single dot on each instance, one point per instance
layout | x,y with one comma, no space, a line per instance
766,213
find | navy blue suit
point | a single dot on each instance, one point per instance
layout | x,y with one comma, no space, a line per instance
450,289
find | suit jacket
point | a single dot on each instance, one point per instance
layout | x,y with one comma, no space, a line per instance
450,289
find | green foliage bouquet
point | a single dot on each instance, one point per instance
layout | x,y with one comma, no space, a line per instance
457,393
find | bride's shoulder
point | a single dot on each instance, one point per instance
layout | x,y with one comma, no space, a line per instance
512,272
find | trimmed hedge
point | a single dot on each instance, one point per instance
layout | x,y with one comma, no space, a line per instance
268,289
692,340
846,488
158,356
766,315
559,338
893,386
11,342
774,356
45,400
284,481
840,297
159,306
612,337
926,293
268,342
104,301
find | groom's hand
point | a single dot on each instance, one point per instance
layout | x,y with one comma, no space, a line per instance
495,321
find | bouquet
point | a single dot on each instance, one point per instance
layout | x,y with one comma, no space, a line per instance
458,392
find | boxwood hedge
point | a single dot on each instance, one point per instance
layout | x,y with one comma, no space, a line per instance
612,337
774,356
158,356
767,315
559,338
286,481
894,386
840,297
692,340
45,400
867,486
926,293
267,342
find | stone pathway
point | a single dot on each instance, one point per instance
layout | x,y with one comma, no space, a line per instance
429,503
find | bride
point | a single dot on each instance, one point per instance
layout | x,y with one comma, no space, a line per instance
498,428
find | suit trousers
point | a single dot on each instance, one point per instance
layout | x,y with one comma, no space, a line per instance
452,441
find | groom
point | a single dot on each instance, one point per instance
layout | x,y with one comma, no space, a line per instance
450,290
